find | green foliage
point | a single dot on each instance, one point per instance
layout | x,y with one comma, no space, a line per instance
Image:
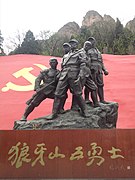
1,45
118,29
123,42
53,45
1,39
83,36
111,37
28,46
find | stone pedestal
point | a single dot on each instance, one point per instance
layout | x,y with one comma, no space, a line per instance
101,117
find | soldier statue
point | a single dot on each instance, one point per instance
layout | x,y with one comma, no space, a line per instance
71,73
87,78
97,69
46,90
88,82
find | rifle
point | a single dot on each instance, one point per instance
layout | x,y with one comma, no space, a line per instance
39,91
44,87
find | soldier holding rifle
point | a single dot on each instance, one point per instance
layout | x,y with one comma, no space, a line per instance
46,90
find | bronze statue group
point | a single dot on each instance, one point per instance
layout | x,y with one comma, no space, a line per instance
81,72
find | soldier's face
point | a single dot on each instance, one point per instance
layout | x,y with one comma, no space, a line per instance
87,47
93,43
73,45
66,49
53,64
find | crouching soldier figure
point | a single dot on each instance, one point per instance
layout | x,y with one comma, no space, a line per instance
46,90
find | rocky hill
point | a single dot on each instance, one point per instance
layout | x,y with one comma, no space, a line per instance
108,18
105,30
93,18
131,25
69,29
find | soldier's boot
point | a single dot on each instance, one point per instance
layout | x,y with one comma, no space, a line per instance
74,106
101,95
86,96
28,110
61,107
94,98
56,105
82,106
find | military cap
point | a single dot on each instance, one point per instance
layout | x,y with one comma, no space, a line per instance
73,40
88,42
66,44
91,38
53,59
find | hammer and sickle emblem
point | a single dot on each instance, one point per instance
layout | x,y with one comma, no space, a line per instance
25,73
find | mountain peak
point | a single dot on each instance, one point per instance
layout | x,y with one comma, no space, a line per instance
131,25
69,29
91,17
108,18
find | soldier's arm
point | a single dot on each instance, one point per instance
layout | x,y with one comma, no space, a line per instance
82,59
104,69
39,79
103,66
62,62
57,75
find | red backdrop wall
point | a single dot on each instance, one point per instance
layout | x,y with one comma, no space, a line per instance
16,89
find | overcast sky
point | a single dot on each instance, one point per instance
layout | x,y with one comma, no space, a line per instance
38,15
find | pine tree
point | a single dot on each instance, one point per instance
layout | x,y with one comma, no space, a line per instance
28,46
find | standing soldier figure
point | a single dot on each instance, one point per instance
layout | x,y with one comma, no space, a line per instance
89,84
97,69
70,76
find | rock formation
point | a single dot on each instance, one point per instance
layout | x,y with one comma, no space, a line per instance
109,19
69,29
101,117
94,20
91,17
131,25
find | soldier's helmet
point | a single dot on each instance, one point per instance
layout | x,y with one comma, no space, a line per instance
66,45
91,39
87,43
73,41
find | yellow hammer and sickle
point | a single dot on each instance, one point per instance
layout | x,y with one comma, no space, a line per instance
25,73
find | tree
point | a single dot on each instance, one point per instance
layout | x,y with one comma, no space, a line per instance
16,41
130,40
1,45
123,42
53,45
118,29
43,39
83,36
44,35
28,46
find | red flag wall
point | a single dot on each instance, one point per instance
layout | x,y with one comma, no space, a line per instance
18,73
